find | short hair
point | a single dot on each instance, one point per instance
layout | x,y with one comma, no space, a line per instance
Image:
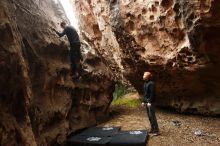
149,74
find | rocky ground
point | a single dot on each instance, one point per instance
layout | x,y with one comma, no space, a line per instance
176,129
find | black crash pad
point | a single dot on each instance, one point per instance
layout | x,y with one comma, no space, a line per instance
80,140
100,131
130,138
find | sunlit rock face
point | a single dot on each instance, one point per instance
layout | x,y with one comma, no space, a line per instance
39,103
177,40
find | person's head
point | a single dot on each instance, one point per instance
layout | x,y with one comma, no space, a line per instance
147,76
63,24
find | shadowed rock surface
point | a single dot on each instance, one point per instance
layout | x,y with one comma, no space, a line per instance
177,40
39,103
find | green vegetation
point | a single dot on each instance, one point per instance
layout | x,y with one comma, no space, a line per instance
121,90
127,101
124,96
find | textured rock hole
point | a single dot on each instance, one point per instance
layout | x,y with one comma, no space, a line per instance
154,9
89,1
157,3
131,25
129,15
162,20
166,4
113,1
132,17
139,16
102,9
96,31
152,17
95,28
144,11
144,27
146,30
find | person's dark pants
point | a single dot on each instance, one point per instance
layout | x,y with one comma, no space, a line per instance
152,117
75,57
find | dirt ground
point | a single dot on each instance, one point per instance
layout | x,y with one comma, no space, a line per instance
171,135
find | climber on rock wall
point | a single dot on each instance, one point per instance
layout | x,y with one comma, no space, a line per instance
148,102
75,52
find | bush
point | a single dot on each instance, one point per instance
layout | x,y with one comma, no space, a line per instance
121,90
128,102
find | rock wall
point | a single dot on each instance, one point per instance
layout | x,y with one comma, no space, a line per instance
39,102
177,40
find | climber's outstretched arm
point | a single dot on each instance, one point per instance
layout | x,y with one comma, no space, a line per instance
58,33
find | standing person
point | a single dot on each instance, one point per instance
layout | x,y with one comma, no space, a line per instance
75,52
149,100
